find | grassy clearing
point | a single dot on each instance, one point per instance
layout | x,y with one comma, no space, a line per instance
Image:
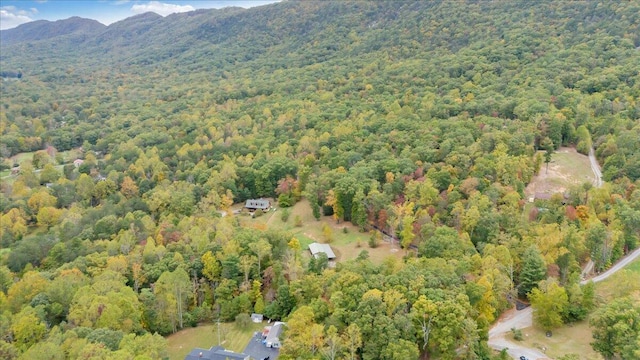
634,266
15,159
67,156
622,283
347,245
574,165
570,339
22,157
205,336
567,168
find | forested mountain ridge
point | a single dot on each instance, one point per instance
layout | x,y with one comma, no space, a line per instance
47,30
421,119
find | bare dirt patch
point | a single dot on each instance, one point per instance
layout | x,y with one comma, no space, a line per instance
567,168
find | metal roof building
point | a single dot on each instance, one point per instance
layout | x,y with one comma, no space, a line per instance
255,204
316,249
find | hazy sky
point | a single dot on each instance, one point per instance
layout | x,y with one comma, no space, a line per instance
16,12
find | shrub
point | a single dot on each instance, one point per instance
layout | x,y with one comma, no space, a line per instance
374,239
328,233
284,216
517,334
243,321
285,200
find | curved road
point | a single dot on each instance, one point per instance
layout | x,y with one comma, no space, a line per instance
524,318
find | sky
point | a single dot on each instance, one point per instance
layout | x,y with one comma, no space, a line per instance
16,12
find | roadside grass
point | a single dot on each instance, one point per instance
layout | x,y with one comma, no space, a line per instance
569,339
634,266
206,335
624,282
346,244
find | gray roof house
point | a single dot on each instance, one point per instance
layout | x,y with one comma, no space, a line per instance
215,353
316,249
272,333
255,204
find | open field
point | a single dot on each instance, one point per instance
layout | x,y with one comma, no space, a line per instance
205,336
346,245
16,159
567,168
570,339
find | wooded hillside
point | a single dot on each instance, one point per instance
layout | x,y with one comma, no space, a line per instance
425,120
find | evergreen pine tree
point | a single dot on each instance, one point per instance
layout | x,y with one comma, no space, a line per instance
533,270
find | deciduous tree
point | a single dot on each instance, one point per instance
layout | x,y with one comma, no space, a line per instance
615,326
549,302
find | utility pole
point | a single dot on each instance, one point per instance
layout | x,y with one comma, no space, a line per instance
218,331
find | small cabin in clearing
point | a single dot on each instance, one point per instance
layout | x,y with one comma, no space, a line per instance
257,204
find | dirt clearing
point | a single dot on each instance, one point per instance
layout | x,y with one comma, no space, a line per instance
567,168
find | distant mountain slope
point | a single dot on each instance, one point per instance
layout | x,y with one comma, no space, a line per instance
43,30
511,60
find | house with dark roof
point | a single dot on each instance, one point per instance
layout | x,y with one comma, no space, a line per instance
257,204
215,353
316,249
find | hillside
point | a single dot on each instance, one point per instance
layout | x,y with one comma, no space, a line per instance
73,29
418,121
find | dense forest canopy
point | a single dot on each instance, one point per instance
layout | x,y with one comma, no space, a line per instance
423,120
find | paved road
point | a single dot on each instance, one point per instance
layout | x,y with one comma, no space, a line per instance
502,328
619,265
524,318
